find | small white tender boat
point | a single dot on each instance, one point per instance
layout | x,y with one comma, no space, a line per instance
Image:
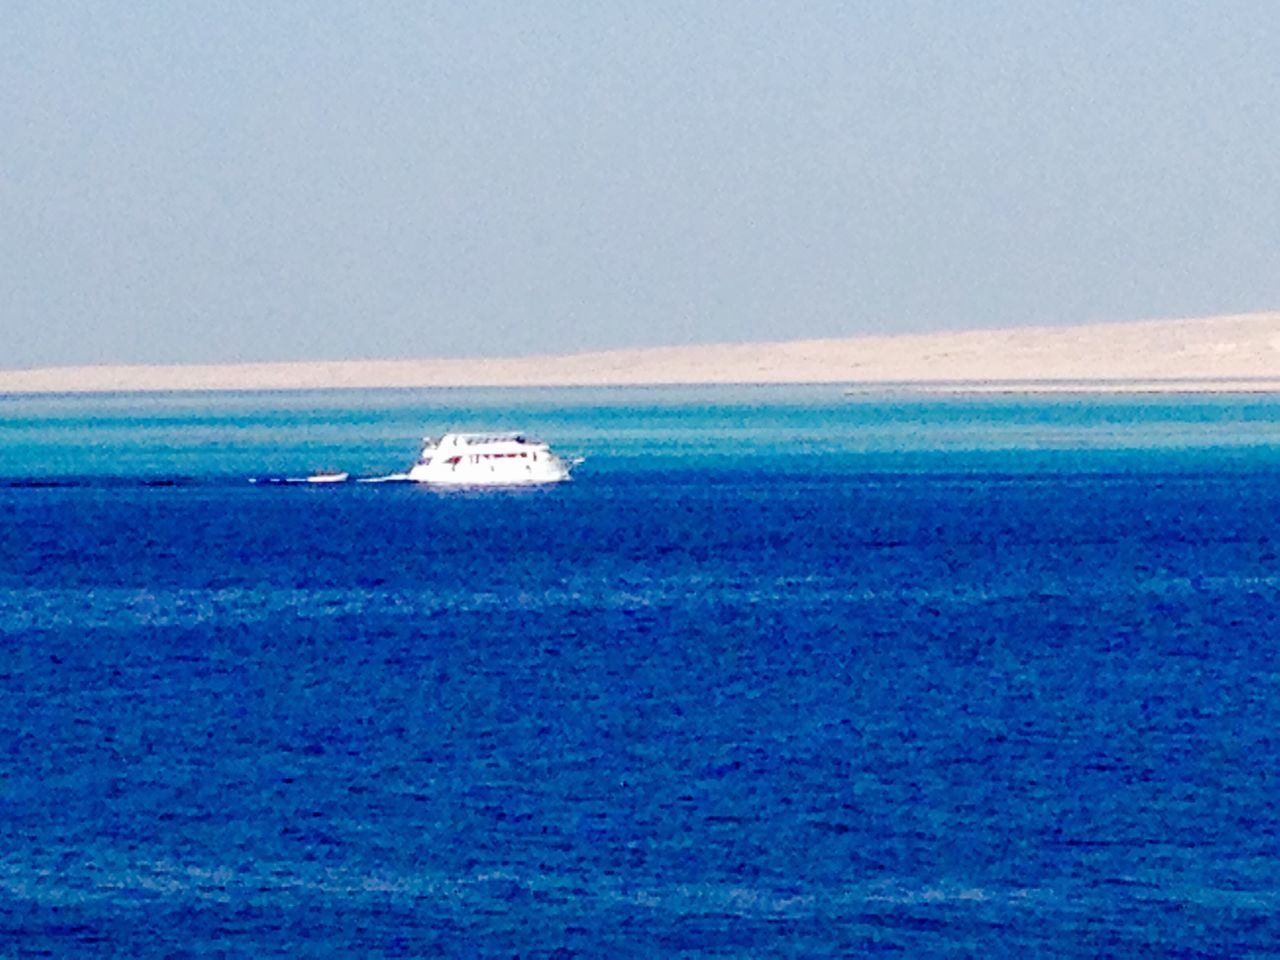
334,477
488,460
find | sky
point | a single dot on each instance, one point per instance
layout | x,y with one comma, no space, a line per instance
274,180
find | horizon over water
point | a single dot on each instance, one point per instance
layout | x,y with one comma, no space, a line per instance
779,671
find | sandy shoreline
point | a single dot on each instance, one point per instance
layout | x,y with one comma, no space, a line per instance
1237,353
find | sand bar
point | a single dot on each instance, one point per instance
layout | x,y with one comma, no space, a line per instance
1237,353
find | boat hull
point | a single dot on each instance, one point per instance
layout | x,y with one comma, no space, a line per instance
470,476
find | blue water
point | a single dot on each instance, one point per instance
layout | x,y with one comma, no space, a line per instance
779,673
799,430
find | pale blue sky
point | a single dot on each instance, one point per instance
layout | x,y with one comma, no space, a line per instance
274,180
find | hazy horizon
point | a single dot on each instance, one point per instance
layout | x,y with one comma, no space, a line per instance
283,181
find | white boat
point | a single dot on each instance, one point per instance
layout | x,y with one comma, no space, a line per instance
335,476
488,460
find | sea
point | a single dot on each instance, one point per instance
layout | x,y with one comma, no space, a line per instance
780,672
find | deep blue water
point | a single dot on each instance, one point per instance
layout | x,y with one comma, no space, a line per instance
1013,694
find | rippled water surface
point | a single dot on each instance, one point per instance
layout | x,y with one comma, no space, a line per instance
780,672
